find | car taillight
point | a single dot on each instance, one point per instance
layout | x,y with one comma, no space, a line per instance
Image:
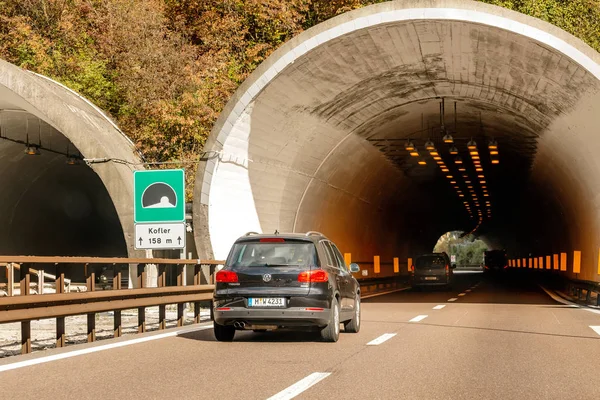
272,240
226,276
314,275
447,269
412,268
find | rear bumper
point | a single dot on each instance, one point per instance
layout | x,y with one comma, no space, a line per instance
421,281
282,317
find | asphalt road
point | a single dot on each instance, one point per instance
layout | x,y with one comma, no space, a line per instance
497,341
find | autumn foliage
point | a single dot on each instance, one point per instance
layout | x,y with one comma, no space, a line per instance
164,69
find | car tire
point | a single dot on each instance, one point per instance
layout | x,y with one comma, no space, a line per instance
223,333
353,326
331,332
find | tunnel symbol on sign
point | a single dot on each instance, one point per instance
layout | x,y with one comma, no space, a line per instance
159,195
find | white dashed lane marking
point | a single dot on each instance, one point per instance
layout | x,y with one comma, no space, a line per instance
453,299
418,318
596,329
381,339
300,386
461,294
439,307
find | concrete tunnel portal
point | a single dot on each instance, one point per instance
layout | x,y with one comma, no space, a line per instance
51,202
315,138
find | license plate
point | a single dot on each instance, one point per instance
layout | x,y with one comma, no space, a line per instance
266,302
431,278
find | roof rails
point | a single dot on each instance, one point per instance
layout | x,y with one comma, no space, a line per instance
310,233
251,233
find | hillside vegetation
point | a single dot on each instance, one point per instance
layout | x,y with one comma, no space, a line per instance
164,69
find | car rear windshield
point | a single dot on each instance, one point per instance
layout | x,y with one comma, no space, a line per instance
495,257
428,261
264,254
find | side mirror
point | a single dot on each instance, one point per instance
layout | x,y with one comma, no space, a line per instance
453,266
354,268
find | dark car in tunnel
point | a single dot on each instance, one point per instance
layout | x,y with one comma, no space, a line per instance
286,281
432,270
495,261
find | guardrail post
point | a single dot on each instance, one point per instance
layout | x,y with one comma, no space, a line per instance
117,275
588,296
60,321
161,281
180,282
41,278
141,280
197,280
118,330
90,281
25,280
10,279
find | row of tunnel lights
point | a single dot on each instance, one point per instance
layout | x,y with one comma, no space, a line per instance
475,158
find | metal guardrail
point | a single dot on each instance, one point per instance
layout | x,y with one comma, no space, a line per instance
579,288
27,307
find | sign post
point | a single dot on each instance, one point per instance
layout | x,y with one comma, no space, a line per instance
159,209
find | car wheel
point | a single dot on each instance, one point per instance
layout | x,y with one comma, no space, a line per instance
223,333
353,326
331,332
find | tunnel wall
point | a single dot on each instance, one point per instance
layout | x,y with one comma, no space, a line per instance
567,167
292,145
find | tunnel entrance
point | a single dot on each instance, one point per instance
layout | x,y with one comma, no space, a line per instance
464,250
52,204
66,172
350,129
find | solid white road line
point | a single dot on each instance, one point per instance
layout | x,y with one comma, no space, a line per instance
439,307
300,386
418,318
453,299
596,328
461,294
559,299
381,339
368,296
95,349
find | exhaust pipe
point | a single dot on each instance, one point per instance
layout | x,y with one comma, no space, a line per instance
239,325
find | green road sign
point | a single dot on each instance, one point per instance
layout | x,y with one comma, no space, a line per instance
159,196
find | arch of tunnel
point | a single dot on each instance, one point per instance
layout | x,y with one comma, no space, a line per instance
314,138
48,206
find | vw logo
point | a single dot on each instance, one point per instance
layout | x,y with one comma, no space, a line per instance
267,277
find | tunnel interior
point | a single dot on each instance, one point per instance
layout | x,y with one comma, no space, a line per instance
317,140
51,202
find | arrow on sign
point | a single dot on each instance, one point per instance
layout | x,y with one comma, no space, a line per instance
179,239
140,241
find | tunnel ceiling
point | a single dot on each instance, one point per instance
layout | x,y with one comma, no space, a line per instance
316,137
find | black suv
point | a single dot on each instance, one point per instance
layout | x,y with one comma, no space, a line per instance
297,281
